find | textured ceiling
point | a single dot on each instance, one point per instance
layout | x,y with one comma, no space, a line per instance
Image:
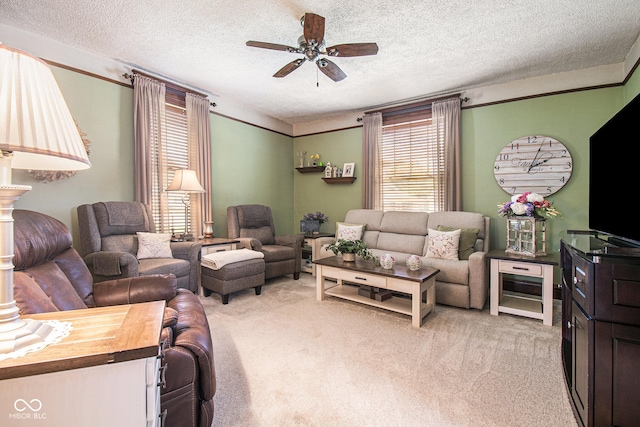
425,48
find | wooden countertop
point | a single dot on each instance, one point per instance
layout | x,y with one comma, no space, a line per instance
98,336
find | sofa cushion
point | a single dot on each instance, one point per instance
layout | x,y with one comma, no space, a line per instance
468,237
154,245
273,253
443,244
412,223
451,271
405,243
348,231
264,234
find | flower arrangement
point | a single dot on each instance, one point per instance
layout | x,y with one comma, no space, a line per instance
315,157
528,204
318,216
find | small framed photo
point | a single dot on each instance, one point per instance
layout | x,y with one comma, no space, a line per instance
348,168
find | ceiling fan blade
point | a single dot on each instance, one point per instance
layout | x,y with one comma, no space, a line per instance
313,28
289,68
272,46
331,70
353,49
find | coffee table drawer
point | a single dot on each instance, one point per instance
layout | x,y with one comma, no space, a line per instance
363,278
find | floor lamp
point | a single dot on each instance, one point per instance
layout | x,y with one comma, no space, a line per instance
186,180
36,132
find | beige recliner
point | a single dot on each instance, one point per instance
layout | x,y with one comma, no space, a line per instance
253,226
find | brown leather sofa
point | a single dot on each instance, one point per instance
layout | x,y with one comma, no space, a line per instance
50,276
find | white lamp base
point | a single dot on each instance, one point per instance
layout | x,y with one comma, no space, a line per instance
17,336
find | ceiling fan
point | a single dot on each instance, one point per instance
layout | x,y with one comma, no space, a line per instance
312,44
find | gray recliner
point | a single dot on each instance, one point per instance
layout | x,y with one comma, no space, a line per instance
253,226
109,245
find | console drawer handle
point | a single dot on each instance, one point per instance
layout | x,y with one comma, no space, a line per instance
360,278
520,268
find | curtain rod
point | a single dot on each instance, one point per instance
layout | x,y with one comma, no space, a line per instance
172,87
412,106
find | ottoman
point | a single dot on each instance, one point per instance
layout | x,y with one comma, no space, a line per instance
233,277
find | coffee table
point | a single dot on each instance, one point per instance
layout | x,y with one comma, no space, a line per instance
398,279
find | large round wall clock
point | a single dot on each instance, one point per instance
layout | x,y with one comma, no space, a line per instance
535,163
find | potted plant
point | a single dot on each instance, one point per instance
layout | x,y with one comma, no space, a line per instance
311,222
350,248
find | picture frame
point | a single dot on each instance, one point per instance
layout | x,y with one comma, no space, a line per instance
347,169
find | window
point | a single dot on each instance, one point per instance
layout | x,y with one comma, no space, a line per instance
412,162
171,155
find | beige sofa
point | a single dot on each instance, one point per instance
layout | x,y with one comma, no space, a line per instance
461,283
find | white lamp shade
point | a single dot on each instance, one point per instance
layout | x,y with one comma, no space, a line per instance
187,181
35,122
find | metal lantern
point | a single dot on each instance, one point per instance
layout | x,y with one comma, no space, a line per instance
526,235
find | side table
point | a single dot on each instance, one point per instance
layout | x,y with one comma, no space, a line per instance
540,267
309,248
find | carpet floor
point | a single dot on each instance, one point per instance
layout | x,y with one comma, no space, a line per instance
283,358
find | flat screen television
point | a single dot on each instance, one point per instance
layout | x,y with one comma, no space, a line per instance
614,176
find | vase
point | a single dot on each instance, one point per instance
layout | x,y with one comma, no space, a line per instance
309,226
387,261
526,235
349,257
414,263
207,231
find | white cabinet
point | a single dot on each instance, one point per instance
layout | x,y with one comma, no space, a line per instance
105,373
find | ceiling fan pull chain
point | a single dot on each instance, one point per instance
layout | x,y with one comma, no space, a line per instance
317,77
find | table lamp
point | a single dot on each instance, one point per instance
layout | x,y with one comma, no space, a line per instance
37,131
186,180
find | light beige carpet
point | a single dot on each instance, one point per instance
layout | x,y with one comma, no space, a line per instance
284,359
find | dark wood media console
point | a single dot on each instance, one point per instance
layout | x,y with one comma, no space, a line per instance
601,329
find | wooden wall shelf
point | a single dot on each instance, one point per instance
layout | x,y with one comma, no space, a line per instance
310,169
341,180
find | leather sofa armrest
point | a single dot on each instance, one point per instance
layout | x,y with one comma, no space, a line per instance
192,332
189,251
248,243
133,290
478,280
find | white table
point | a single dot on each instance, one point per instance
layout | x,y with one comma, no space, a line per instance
399,279
540,267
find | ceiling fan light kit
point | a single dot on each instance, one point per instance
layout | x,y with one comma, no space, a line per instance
312,44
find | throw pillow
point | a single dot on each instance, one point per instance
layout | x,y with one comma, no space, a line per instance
468,237
443,244
154,245
349,231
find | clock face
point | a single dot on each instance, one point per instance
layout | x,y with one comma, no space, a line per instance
538,164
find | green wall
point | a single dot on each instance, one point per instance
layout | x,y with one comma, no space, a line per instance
104,111
254,165
571,118
250,165
311,193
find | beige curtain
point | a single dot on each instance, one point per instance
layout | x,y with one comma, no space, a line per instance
148,124
446,117
371,168
199,141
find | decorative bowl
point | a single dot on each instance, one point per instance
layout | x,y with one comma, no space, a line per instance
414,262
387,261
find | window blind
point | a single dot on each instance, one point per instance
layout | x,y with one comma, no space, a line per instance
169,210
412,165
